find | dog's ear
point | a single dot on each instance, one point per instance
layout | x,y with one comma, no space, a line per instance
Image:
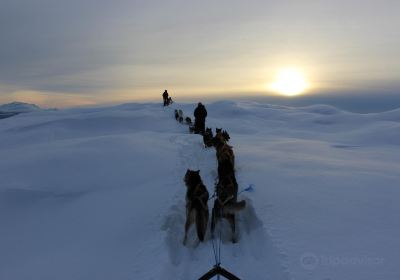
198,171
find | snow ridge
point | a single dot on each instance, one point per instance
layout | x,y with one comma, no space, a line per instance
18,107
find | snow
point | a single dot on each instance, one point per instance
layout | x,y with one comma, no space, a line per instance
18,107
98,193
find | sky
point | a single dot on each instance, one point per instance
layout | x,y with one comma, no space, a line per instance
82,52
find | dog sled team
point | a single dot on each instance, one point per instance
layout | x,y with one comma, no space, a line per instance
200,114
226,203
166,98
179,117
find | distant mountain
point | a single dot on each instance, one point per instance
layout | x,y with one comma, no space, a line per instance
18,107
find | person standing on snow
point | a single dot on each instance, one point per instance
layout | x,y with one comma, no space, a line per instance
200,114
165,97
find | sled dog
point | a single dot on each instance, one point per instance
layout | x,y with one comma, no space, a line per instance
208,137
196,204
179,115
188,120
225,152
226,204
223,133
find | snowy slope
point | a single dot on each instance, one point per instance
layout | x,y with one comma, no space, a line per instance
98,193
18,107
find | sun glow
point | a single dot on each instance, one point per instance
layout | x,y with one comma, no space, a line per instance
289,82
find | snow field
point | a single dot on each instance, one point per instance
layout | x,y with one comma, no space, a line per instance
98,193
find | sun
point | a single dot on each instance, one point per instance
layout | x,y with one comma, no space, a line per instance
289,82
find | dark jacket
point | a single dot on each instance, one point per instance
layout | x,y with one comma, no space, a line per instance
200,112
165,95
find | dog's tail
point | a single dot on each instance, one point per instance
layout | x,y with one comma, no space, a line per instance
201,223
232,207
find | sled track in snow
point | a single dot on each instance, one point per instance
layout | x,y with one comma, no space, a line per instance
255,248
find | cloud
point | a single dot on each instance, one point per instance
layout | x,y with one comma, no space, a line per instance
88,47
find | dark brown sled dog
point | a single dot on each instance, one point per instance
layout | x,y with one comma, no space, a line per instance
208,138
196,204
224,151
226,204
